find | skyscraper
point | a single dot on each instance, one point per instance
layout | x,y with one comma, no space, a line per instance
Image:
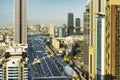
92,40
20,15
70,24
86,37
100,40
77,26
96,10
100,48
112,40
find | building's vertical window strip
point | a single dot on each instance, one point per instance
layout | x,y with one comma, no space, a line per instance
20,21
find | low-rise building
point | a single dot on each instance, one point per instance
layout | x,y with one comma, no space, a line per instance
14,64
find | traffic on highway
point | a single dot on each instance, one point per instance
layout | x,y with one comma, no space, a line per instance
43,66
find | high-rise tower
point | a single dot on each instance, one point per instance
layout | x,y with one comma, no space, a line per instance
92,39
95,50
70,24
77,26
86,37
100,58
112,40
20,16
100,40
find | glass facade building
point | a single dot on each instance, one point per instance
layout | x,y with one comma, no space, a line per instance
100,48
62,32
77,26
70,24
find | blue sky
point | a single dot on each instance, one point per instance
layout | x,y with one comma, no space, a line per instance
43,11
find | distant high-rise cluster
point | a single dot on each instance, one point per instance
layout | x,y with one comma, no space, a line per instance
20,16
73,29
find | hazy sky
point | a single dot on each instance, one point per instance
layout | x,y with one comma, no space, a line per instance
43,11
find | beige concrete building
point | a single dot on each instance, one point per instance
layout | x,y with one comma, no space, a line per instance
86,36
55,43
37,28
51,30
112,40
96,8
92,40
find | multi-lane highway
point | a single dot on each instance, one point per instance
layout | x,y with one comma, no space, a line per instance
41,64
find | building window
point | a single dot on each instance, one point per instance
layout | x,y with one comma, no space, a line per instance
90,63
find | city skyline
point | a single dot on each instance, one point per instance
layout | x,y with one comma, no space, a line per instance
44,11
60,39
